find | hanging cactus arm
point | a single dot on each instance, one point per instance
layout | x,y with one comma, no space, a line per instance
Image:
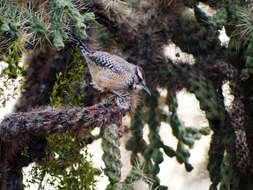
212,103
179,131
111,156
136,143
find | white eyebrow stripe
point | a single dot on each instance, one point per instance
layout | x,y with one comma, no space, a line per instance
139,73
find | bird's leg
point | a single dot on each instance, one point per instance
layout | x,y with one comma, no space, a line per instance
116,93
122,98
119,94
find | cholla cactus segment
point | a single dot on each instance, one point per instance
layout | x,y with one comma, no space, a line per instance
111,156
216,21
152,154
64,14
200,15
209,100
179,131
230,179
216,153
136,143
219,19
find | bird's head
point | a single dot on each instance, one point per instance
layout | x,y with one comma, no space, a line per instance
139,81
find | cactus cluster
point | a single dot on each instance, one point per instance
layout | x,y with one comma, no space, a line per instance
222,144
39,30
199,36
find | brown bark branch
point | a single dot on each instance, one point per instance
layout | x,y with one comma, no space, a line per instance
25,129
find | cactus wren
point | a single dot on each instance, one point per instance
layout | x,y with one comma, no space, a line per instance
110,72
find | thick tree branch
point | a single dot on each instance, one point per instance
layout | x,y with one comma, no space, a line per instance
30,129
45,122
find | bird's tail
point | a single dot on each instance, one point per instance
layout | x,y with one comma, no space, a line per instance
73,38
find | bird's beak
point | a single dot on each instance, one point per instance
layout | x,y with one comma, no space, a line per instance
145,88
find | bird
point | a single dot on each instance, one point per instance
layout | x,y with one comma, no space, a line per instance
110,72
